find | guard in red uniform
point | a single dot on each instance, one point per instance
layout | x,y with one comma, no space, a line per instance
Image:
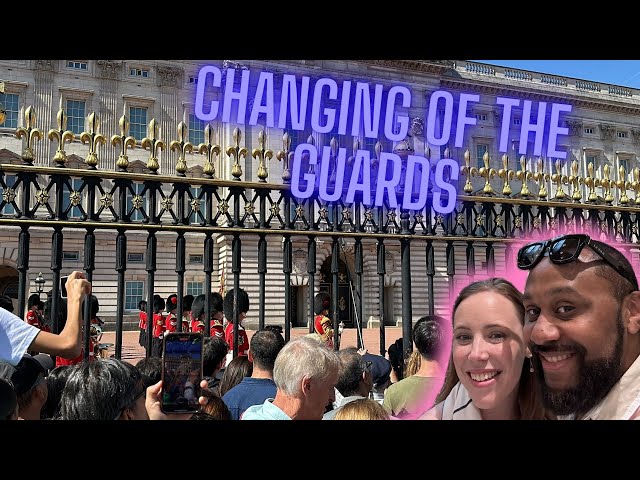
322,324
243,308
158,326
171,323
142,324
187,303
198,314
95,334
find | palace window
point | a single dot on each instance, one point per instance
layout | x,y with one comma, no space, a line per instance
11,104
196,130
138,119
195,288
76,112
137,213
77,65
133,294
76,184
135,257
139,72
10,181
70,256
481,149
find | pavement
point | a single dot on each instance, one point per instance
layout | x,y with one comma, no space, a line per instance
132,352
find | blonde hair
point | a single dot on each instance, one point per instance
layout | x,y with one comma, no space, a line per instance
413,364
362,409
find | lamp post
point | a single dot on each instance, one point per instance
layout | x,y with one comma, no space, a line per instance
40,281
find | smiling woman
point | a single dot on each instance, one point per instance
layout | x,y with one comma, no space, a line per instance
486,378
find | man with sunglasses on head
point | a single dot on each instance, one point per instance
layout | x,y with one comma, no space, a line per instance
582,322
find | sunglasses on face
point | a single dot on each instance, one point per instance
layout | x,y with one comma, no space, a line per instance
566,249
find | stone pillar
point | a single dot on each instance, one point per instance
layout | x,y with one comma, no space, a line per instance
45,116
110,73
170,79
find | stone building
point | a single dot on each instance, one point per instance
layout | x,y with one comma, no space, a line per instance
603,131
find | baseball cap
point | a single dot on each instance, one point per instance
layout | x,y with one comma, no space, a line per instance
380,368
29,371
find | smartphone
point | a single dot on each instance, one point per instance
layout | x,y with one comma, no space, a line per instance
63,286
181,372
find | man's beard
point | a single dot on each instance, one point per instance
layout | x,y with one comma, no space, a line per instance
595,378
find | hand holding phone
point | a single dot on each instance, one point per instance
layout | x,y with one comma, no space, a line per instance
181,372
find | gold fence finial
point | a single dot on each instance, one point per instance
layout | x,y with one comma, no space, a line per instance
209,149
261,154
124,140
486,172
94,139
575,181
467,171
236,152
31,134
523,176
61,135
283,155
182,147
591,182
606,183
505,174
153,144
558,178
541,178
622,184
635,185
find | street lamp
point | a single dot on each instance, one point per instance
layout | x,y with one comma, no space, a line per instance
40,281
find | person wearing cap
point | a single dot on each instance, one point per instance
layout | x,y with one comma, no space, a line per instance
381,375
159,326
30,383
17,336
582,325
322,324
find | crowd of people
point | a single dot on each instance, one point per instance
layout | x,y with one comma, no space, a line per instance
567,347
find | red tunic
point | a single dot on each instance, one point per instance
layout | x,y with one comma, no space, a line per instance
143,320
158,324
171,324
243,340
322,326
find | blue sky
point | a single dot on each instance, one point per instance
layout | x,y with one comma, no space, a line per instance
618,72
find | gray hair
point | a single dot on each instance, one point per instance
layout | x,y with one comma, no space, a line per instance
300,358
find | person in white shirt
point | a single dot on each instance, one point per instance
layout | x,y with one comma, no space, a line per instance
17,336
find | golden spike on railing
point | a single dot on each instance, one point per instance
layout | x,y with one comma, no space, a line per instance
622,184
94,139
236,152
467,171
283,156
261,154
182,147
523,176
209,149
606,183
635,185
153,144
125,142
31,134
540,177
574,181
590,181
505,174
61,135
558,178
486,172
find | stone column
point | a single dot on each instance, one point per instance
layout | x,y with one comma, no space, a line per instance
170,79
45,116
110,73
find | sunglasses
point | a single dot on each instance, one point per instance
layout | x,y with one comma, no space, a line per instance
566,249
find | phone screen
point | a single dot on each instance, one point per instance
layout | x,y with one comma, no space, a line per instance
63,287
181,372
